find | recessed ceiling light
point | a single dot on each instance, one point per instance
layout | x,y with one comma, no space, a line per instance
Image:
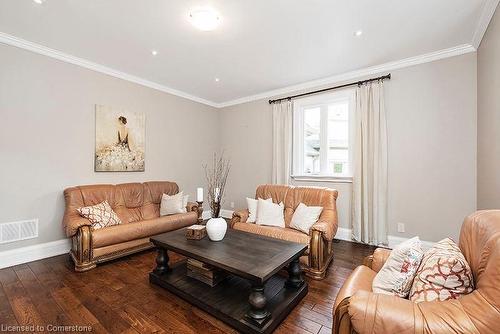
358,33
154,52
39,1
217,79
205,19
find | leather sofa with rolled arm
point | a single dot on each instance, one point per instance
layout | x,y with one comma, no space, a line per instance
358,310
320,251
138,207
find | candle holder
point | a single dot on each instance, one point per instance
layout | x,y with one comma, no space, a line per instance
200,212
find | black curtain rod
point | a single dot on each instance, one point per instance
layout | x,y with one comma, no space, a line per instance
358,83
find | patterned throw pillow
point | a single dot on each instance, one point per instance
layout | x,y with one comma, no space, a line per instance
443,274
397,274
100,215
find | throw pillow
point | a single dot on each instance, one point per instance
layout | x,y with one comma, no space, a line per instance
252,209
100,215
305,217
173,204
398,272
443,274
270,214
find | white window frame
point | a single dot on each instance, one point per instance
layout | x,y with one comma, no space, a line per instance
322,101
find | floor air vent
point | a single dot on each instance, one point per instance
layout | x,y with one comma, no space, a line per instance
21,230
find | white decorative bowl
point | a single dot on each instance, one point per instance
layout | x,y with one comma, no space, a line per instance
216,228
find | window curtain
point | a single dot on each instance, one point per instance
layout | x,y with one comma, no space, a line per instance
369,205
282,141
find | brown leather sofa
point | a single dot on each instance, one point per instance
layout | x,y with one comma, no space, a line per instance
320,252
138,207
358,310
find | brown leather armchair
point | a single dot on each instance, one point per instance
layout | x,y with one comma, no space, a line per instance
138,207
358,310
320,251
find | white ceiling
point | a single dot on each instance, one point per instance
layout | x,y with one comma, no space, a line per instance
261,45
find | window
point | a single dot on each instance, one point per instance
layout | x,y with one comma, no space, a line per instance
322,134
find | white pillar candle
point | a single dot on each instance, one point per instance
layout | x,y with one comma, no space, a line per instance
199,194
217,194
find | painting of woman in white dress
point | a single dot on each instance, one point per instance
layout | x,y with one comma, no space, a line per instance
119,144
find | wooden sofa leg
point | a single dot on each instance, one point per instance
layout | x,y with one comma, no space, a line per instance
81,251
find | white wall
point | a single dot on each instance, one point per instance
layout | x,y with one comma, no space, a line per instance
432,149
488,159
47,142
48,132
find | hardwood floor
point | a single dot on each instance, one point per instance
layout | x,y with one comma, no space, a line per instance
117,298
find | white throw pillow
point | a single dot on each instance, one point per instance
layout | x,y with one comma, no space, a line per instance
305,216
173,204
185,200
270,214
397,273
252,209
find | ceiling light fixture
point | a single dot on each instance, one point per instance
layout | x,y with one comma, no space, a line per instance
39,1
205,19
154,52
358,33
217,79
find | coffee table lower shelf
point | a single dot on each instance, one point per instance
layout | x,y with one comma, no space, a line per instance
228,301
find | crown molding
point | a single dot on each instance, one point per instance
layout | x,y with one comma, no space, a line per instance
407,62
56,54
484,21
425,58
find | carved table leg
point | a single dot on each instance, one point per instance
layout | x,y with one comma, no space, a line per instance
295,279
161,262
257,300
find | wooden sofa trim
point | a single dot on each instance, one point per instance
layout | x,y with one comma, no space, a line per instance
81,250
82,255
341,318
320,256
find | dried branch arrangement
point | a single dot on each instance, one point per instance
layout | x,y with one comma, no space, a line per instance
216,176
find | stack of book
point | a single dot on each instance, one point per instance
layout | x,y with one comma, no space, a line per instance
205,273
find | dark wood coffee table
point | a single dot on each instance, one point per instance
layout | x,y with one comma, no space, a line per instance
254,298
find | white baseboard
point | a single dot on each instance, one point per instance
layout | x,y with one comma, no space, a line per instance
223,213
343,234
26,254
226,213
346,234
36,252
394,241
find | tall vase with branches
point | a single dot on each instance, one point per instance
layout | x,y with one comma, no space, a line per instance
216,176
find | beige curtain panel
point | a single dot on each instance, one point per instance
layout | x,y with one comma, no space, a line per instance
369,205
282,141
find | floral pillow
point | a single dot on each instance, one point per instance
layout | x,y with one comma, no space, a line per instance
100,215
443,274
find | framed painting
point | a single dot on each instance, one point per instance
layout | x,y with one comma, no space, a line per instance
119,140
